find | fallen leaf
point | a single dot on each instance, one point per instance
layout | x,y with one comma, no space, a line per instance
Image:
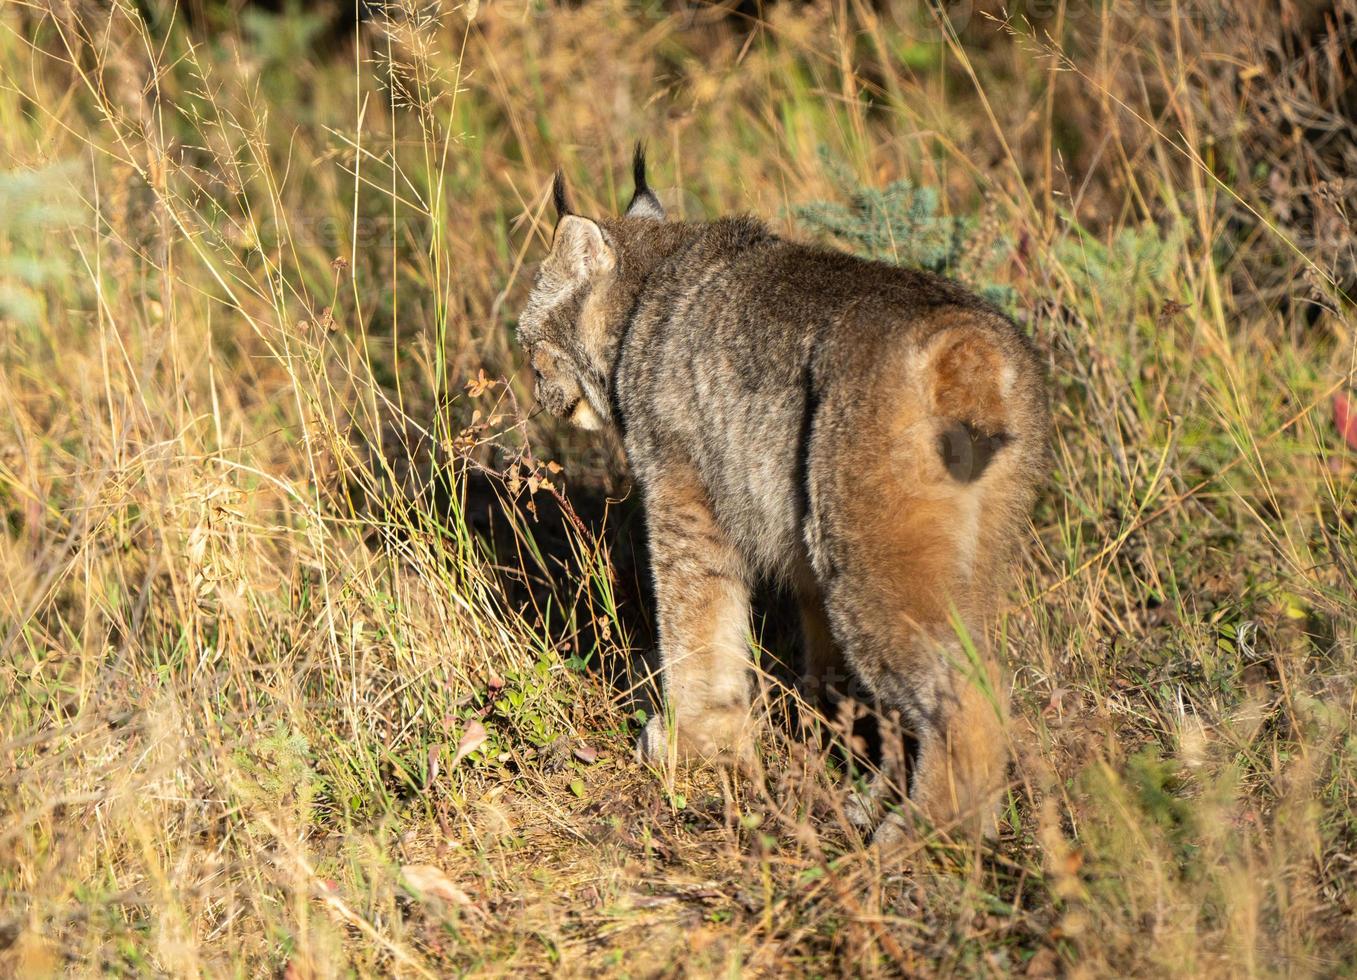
1056,704
477,386
429,882
472,739
1044,963
586,754
1345,418
1072,862
297,969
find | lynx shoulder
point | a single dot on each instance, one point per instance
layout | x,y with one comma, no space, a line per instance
870,435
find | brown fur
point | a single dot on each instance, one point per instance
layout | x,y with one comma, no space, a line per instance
871,435
703,614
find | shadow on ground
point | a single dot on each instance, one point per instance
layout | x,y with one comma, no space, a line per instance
575,566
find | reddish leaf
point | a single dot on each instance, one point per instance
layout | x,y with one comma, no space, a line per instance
1056,704
429,882
1345,417
586,754
472,739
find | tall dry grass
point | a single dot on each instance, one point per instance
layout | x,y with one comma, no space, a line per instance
298,597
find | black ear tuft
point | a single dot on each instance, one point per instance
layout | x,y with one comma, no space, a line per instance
558,195
638,169
644,203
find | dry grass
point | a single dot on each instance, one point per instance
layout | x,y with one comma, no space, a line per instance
286,604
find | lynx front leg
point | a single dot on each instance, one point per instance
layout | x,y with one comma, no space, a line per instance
702,594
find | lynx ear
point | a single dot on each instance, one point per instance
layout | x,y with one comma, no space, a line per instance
644,203
581,247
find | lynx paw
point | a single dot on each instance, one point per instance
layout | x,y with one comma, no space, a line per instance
862,807
716,736
653,744
893,831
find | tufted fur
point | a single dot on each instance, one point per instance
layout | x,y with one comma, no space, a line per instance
871,435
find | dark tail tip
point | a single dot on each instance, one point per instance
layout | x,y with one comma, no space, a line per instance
967,452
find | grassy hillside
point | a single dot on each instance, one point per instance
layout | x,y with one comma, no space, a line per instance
322,653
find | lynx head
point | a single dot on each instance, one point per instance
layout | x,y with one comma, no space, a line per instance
570,325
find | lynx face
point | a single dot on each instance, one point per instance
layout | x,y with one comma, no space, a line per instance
553,328
568,326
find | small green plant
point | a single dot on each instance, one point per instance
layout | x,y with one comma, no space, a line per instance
1120,274
903,223
279,769
35,205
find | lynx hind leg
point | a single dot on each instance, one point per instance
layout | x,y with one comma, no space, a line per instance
824,674
952,701
702,595
919,488
895,604
960,773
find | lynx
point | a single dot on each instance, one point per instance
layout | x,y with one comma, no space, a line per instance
869,435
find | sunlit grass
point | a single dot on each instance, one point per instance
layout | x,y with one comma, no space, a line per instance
296,590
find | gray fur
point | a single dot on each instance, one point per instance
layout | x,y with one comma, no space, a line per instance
777,400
